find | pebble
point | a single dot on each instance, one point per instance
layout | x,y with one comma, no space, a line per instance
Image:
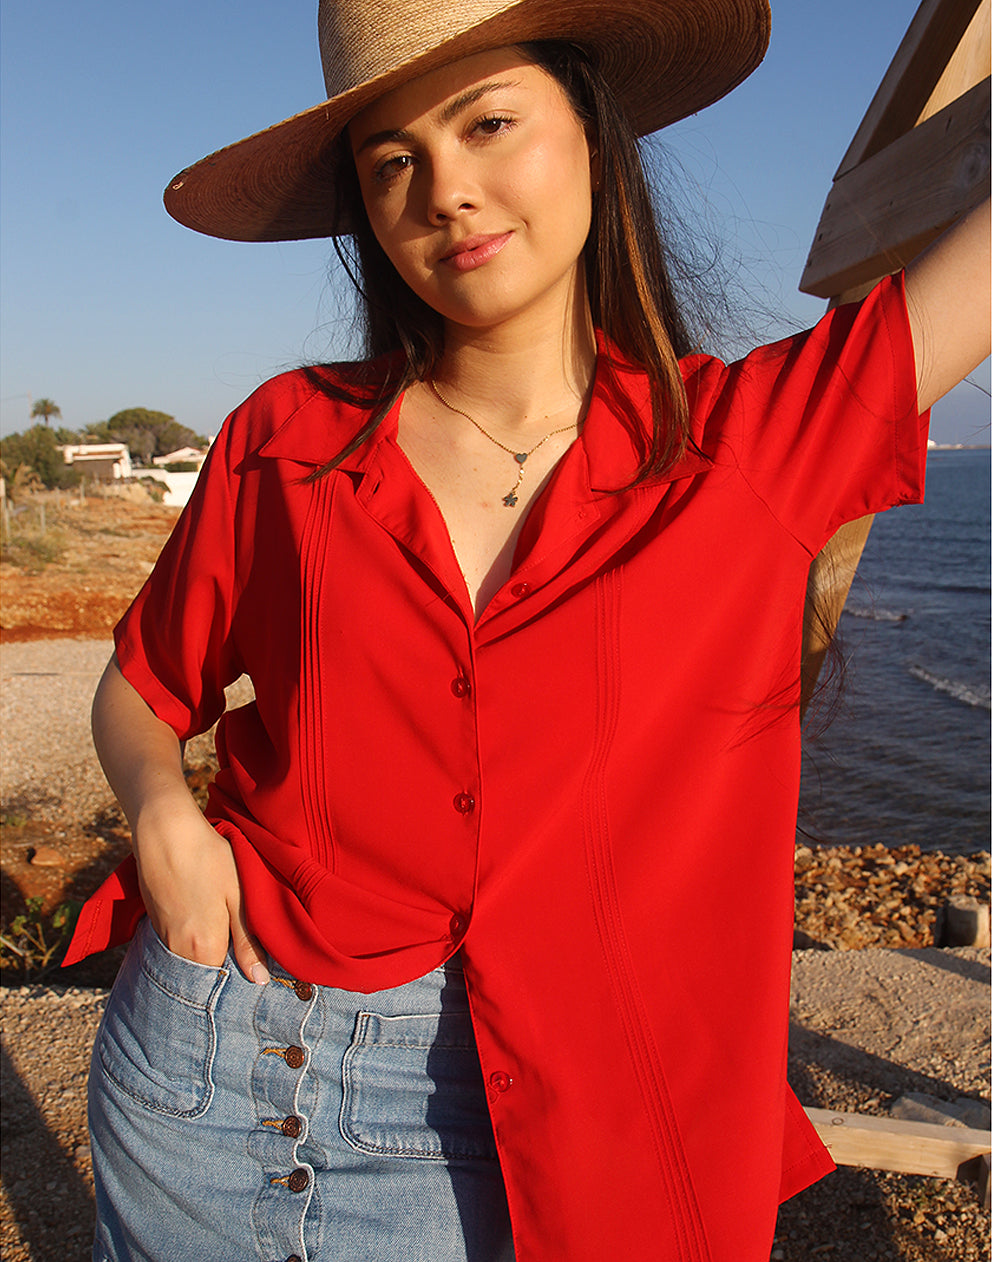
46,857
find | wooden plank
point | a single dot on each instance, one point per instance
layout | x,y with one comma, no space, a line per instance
927,47
970,63
881,214
882,1143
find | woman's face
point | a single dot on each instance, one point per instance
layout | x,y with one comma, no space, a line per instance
476,180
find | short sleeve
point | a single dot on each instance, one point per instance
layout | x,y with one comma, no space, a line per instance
823,426
174,645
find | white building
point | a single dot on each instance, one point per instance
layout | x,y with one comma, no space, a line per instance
185,455
105,462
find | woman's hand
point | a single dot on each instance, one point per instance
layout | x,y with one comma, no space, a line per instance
186,870
190,886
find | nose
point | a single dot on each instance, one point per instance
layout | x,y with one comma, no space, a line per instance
450,190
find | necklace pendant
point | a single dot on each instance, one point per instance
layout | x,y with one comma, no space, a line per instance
510,500
520,456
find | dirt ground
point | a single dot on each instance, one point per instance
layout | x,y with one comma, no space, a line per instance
72,565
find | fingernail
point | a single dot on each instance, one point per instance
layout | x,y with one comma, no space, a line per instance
259,974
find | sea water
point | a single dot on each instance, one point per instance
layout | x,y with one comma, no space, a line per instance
907,757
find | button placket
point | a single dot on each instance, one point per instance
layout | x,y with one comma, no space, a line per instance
282,1087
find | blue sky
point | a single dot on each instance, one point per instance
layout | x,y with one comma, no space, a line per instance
106,303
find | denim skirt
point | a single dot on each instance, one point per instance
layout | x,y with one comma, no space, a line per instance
289,1122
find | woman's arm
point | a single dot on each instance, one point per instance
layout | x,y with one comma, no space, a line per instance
186,870
947,293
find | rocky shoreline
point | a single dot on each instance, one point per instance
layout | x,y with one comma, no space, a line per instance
849,898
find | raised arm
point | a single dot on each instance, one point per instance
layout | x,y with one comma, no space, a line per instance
186,871
947,293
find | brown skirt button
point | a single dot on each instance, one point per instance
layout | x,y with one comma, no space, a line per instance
298,1180
292,1126
303,990
294,1056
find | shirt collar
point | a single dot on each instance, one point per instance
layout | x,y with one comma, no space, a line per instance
307,437
618,422
618,408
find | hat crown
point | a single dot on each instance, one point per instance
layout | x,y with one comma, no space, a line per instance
361,40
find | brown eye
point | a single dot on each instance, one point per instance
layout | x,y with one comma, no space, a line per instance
386,171
493,125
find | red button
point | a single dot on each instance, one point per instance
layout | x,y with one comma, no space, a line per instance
461,686
458,926
500,1081
464,803
519,589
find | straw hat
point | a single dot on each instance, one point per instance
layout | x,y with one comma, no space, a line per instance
664,59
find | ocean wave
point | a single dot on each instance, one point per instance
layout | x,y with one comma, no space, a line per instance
969,694
957,589
876,615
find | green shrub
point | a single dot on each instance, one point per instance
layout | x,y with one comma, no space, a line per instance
32,553
34,945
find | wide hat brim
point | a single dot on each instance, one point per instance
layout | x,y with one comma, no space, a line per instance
665,59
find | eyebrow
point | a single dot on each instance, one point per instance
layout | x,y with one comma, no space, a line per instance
454,107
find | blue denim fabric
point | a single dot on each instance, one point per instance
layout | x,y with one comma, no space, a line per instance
238,1122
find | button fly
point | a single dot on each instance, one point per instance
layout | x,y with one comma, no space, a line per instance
294,1056
292,1126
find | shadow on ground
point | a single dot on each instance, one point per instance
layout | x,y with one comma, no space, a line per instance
63,1206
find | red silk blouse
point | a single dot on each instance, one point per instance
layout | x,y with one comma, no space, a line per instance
590,790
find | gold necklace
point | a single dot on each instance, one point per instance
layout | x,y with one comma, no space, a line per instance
510,499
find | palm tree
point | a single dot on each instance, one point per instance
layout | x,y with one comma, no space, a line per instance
46,408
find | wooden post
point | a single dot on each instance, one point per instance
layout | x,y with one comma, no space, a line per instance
919,160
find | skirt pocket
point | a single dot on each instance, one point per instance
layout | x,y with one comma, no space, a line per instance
412,1087
158,1036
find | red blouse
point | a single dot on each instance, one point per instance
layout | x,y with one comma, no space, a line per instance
590,790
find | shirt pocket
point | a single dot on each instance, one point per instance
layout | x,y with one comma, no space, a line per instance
412,1087
158,1036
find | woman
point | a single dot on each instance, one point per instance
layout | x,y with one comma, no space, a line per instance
427,967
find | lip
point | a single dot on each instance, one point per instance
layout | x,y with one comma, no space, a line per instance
475,251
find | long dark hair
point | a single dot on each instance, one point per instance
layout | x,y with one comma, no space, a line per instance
630,290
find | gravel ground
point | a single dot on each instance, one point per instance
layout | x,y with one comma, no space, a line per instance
48,769
868,1027
46,687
